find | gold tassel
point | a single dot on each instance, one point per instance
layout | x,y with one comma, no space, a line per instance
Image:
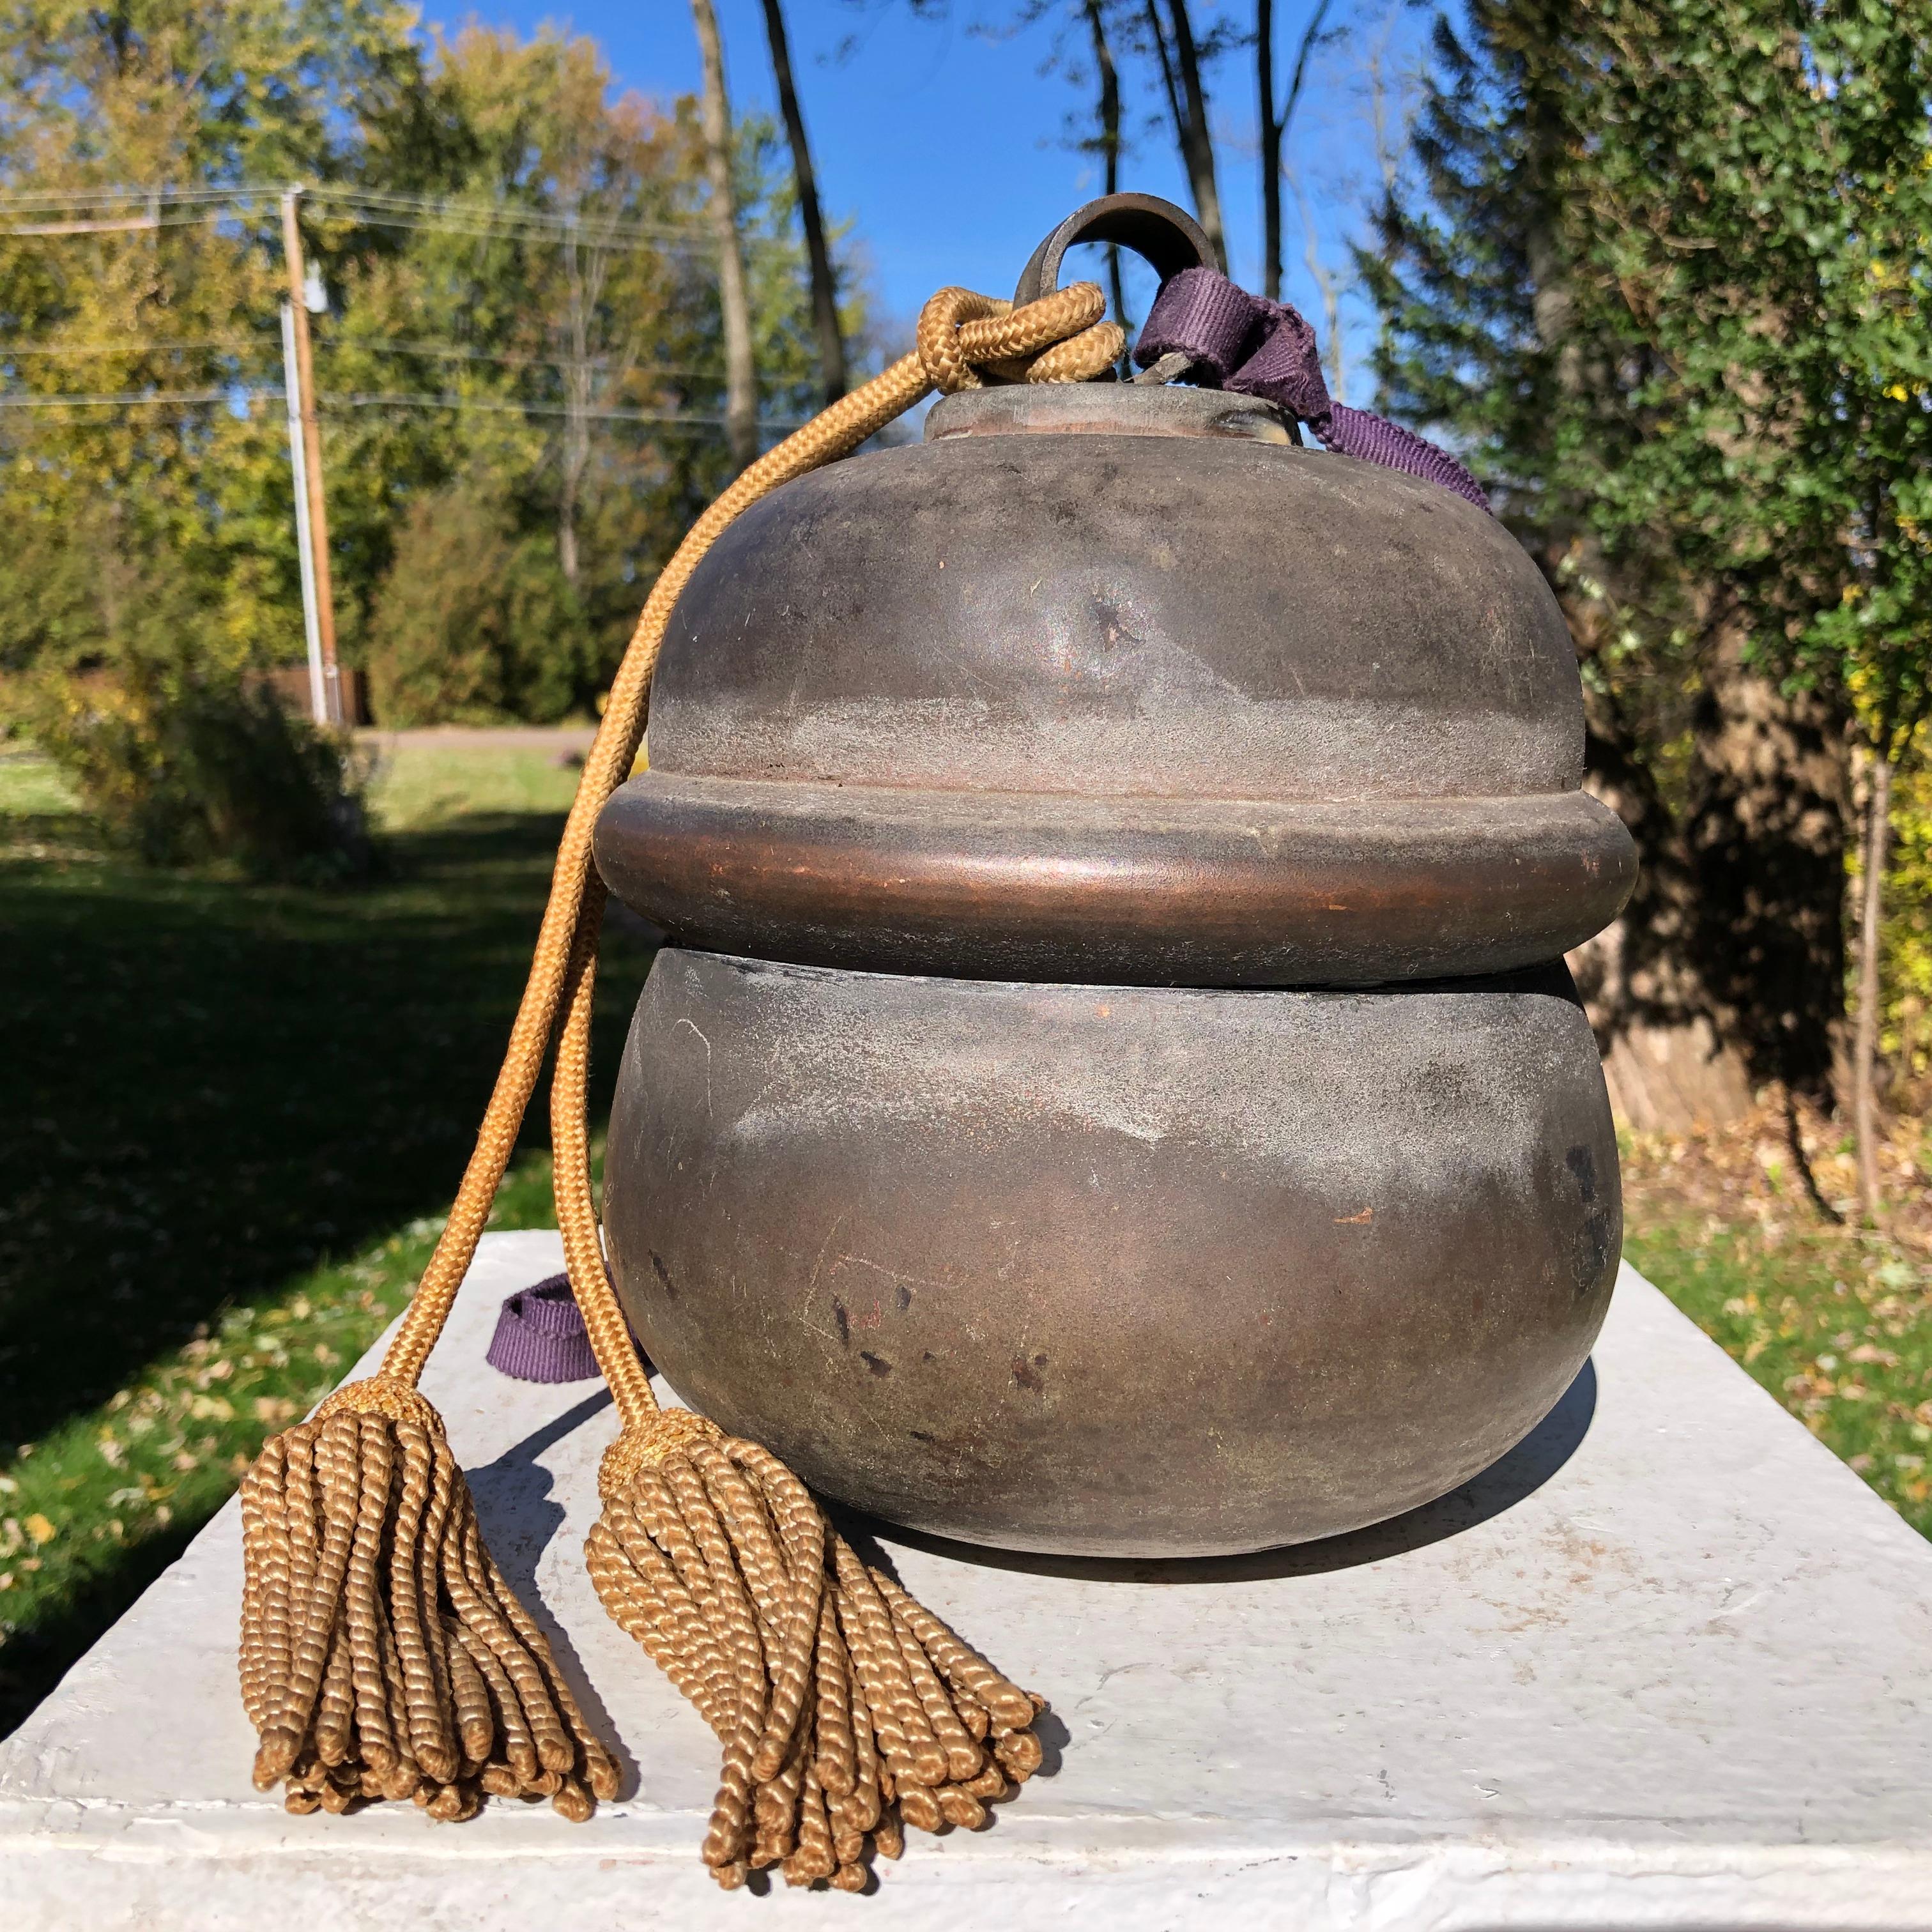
843,1705
844,1708
383,1655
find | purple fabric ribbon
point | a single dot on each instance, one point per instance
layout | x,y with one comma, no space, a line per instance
1260,348
541,1337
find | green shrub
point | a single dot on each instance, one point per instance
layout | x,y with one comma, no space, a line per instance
181,768
476,623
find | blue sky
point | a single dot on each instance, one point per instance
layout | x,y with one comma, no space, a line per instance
947,150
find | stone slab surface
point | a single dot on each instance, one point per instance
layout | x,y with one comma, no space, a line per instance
1667,1664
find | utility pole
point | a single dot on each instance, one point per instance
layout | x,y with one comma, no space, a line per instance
318,682
305,459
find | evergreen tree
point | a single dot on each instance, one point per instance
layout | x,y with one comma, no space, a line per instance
1761,223
1592,177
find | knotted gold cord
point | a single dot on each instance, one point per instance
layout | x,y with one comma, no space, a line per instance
383,1653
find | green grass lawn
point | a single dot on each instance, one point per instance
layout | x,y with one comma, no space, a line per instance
30,788
424,784
1835,1324
235,1117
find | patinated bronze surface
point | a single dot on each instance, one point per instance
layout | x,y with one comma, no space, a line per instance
1182,893
1147,1271
1094,686
1113,1086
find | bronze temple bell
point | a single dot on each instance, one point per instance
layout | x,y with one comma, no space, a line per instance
1113,1085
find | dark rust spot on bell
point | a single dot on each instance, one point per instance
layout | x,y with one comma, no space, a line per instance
1580,1163
877,1364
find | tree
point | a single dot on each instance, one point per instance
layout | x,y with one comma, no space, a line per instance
824,287
1765,221
469,618
741,385
580,327
1180,57
545,319
176,503
1105,140
1274,128
1586,293
524,341
1161,33
1086,35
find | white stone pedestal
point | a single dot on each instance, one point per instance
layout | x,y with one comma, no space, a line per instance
1666,1665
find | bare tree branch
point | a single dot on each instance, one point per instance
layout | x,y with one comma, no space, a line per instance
741,389
1108,140
1179,56
824,288
1333,287
1274,129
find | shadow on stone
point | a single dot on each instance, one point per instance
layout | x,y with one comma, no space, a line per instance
1519,1473
519,1518
1050,1730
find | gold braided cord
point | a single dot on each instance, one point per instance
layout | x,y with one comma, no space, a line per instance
844,1708
383,1655
956,329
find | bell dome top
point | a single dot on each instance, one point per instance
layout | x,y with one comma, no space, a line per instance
1121,591
1118,680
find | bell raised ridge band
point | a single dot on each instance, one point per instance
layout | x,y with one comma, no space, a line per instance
1129,892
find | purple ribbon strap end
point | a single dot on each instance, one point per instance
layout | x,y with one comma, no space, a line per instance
1259,348
540,1336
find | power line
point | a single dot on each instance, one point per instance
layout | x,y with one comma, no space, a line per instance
119,226
143,225
387,399
480,226
163,205
590,228
439,352
450,351
157,347
378,399
442,352
152,197
108,197
370,207
128,399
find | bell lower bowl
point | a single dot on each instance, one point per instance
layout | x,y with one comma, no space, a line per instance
1126,1271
